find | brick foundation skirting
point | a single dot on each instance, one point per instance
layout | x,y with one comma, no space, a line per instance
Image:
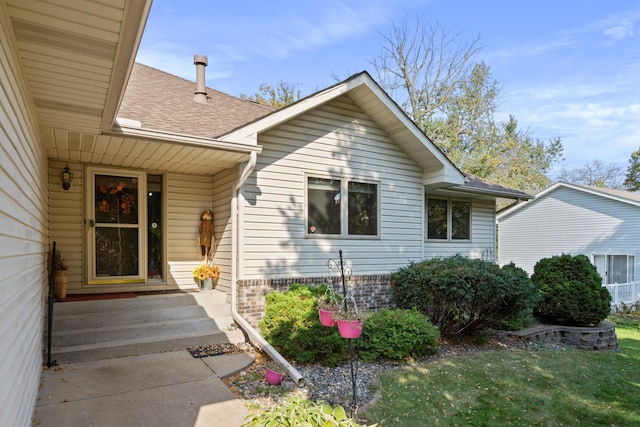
372,292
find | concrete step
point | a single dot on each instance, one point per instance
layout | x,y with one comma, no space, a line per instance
102,329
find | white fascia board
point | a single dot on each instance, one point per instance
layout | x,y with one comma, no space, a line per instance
287,113
120,129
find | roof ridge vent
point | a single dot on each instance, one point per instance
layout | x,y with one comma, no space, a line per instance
200,62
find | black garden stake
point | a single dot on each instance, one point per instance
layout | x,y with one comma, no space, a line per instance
353,356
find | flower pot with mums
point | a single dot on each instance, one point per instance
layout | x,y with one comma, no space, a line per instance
207,276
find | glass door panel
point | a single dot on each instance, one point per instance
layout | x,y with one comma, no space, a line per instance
115,230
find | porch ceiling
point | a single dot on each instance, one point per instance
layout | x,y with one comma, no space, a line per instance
76,57
140,153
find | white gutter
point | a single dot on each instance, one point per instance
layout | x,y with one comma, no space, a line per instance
242,322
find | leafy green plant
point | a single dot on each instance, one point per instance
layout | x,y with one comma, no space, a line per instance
398,334
571,291
295,412
292,326
459,294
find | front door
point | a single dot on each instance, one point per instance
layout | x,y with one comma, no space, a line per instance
117,201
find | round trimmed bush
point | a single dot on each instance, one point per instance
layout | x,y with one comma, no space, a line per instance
571,291
460,294
398,334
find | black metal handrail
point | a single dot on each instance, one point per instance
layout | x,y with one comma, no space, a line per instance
50,299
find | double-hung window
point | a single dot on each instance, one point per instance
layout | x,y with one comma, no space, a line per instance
341,207
448,219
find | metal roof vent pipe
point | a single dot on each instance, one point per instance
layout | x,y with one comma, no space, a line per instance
200,62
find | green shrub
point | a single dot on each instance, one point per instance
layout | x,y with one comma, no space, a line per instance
298,412
571,291
398,334
459,294
291,325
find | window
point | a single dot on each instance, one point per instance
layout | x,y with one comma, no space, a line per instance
327,214
448,219
615,268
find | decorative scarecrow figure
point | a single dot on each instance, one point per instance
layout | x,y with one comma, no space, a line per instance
206,239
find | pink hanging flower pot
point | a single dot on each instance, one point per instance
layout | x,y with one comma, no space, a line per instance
350,328
326,318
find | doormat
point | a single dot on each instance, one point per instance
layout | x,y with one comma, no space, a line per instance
93,297
217,349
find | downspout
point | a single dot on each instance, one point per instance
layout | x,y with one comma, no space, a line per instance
241,321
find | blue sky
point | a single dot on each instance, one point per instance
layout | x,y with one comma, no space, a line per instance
568,69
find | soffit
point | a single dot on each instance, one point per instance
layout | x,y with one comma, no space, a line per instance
139,153
76,56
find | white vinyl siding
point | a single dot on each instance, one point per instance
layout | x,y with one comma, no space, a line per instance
66,213
568,221
339,140
483,235
187,197
222,193
24,220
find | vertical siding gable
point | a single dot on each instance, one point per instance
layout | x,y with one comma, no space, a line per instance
337,139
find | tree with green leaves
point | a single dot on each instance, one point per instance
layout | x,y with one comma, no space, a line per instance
282,94
434,78
632,178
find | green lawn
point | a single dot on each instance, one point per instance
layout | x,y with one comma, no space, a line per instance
517,388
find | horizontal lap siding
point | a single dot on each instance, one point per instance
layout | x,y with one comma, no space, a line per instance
569,221
337,139
23,244
187,197
483,231
66,213
223,184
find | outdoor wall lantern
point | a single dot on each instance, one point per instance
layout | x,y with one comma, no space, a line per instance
66,178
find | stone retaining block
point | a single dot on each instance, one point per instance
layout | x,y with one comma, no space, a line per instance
601,337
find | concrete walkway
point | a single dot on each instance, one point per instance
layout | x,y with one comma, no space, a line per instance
123,362
164,389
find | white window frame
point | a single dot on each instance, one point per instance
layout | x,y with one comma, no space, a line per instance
602,263
449,201
344,214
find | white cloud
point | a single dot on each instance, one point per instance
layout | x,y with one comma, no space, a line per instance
621,31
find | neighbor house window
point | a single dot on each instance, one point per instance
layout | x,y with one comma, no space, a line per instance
341,207
616,268
448,219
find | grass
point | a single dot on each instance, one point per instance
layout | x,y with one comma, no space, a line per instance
549,387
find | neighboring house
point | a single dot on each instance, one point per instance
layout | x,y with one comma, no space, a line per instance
600,223
343,169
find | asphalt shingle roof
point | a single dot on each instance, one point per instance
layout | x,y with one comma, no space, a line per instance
164,102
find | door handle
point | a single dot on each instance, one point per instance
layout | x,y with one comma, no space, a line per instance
92,223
